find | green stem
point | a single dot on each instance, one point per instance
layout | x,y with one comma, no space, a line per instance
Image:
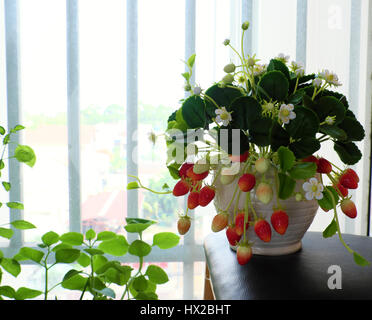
295,89
247,200
251,206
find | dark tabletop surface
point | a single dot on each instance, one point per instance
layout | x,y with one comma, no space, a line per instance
301,275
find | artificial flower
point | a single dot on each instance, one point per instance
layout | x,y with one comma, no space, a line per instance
223,116
330,77
286,113
313,189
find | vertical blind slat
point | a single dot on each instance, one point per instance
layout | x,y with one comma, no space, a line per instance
301,31
11,10
73,114
247,15
132,102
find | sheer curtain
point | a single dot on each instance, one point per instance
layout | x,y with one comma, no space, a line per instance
91,78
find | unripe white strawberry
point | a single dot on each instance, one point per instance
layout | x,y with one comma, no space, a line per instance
201,166
264,193
262,165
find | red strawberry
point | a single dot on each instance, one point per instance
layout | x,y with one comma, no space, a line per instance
243,254
348,207
239,223
183,225
220,222
193,200
206,195
352,174
348,181
279,221
239,158
310,159
324,166
181,188
232,235
341,189
196,177
263,230
247,182
183,170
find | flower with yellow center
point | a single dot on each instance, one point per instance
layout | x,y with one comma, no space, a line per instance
223,116
313,189
286,113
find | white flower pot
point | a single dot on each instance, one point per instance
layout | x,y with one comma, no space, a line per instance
300,213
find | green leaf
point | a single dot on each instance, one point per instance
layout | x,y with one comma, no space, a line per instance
93,252
186,75
31,254
146,296
173,172
74,282
140,283
7,291
279,137
260,132
349,153
6,185
6,233
25,154
98,261
303,170
359,260
15,205
90,234
165,240
330,230
279,66
286,186
133,185
246,111
286,158
118,274
333,131
61,246
106,235
306,123
156,274
12,266
22,224
137,225
326,203
72,238
26,293
6,139
107,292
139,248
191,60
273,85
304,147
116,247
18,127
67,255
193,112
329,106
353,129
50,238
2,130
84,260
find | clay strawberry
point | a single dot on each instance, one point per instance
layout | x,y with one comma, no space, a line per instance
279,221
239,223
347,180
264,193
341,189
262,165
206,195
352,174
239,158
196,177
232,235
220,222
263,230
183,224
183,170
181,188
324,166
310,159
348,207
193,200
247,182
243,254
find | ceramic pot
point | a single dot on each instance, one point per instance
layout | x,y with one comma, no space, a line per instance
300,213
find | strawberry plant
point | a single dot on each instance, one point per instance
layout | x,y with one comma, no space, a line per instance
262,126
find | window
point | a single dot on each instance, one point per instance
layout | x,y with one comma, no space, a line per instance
91,78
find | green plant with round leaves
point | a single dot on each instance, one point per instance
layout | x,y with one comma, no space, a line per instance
268,118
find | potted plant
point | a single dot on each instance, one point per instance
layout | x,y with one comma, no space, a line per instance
250,143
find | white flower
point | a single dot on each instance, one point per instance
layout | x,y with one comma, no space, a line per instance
282,57
296,65
317,82
197,91
299,72
330,78
286,113
313,189
258,69
223,116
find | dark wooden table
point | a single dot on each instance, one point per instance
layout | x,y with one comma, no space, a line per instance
301,275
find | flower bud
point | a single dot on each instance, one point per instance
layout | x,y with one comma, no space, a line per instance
228,79
226,42
298,196
197,91
245,25
187,87
229,68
